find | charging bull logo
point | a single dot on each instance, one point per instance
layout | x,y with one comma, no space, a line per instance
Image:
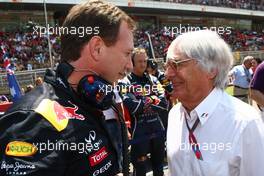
56,114
67,112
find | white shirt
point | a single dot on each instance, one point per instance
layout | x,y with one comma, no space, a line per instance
110,113
230,134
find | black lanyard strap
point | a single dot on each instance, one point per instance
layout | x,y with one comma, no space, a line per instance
194,125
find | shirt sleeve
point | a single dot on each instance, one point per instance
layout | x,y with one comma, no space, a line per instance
258,79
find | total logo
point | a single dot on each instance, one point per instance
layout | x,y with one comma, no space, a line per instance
98,156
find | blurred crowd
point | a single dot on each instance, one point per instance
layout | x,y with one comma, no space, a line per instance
239,4
239,40
28,51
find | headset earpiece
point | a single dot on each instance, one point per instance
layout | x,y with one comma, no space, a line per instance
96,92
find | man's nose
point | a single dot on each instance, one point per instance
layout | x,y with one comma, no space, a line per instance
169,73
130,65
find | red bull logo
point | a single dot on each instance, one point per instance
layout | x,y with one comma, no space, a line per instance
67,112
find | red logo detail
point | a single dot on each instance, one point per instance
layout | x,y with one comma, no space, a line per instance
67,112
99,156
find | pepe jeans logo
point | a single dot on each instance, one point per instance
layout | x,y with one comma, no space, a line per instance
19,148
16,168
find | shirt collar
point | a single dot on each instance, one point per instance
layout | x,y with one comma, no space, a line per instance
208,105
205,109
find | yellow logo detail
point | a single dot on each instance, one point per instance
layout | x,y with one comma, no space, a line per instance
54,113
19,148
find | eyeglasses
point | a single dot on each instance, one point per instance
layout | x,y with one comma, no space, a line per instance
175,64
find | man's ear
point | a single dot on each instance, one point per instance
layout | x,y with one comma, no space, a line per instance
95,47
212,74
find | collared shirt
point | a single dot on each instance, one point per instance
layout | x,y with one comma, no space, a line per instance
230,135
242,76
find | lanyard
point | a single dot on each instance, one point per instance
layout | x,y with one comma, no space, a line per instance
247,74
192,139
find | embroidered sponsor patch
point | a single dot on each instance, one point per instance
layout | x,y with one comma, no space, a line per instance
16,168
91,143
72,113
99,156
49,110
19,148
102,169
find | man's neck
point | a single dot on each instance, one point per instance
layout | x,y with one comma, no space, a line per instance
195,101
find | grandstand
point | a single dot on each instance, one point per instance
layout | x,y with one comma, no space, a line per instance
242,27
19,12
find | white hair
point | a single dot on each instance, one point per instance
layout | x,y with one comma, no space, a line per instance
210,50
247,58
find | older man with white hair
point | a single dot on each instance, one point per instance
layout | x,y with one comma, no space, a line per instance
210,133
241,76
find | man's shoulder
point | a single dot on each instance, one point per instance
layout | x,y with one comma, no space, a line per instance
238,110
237,69
260,68
31,99
34,107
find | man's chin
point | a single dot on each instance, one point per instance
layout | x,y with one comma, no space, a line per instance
177,94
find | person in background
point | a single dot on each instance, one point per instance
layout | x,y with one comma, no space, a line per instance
254,64
38,81
209,132
29,88
152,69
257,88
145,100
241,76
